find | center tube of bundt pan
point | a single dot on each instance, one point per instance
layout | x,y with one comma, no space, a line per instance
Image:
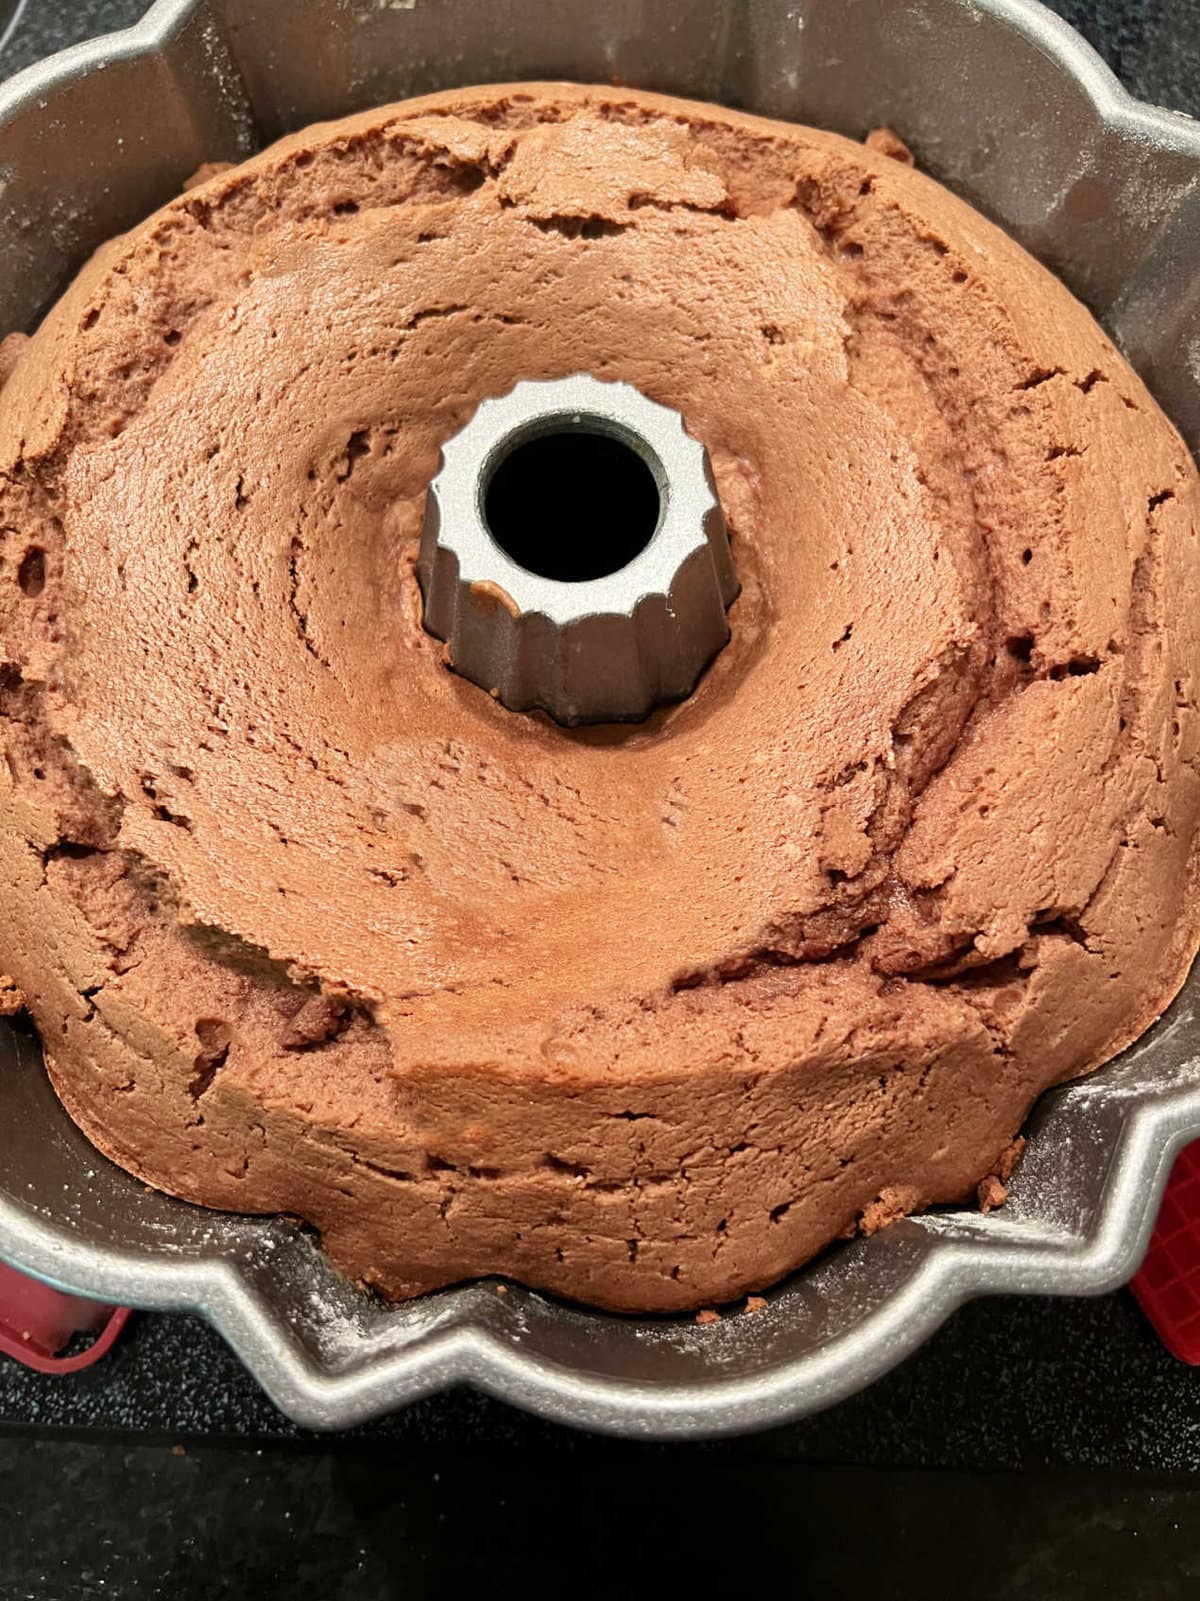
574,555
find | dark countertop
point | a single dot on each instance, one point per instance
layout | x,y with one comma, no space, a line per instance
164,1471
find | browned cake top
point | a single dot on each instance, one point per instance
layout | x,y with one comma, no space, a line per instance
945,765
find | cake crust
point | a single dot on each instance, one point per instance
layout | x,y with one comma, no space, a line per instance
642,1016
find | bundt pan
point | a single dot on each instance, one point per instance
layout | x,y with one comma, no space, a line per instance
1009,106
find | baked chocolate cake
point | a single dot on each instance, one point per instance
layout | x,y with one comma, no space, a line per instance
647,1014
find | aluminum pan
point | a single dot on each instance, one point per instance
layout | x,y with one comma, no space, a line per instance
1001,99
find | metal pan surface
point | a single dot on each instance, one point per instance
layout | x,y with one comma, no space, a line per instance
1001,100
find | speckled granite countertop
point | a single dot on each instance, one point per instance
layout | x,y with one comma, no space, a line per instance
164,1471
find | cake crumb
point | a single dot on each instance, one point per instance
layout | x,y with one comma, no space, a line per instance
992,1193
707,1316
755,1303
1009,1158
894,1202
489,596
887,142
178,1450
205,171
11,998
321,1018
502,1289
993,1187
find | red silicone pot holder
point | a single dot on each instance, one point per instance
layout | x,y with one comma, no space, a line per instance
36,1323
1168,1282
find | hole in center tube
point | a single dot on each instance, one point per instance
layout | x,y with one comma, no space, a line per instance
573,504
